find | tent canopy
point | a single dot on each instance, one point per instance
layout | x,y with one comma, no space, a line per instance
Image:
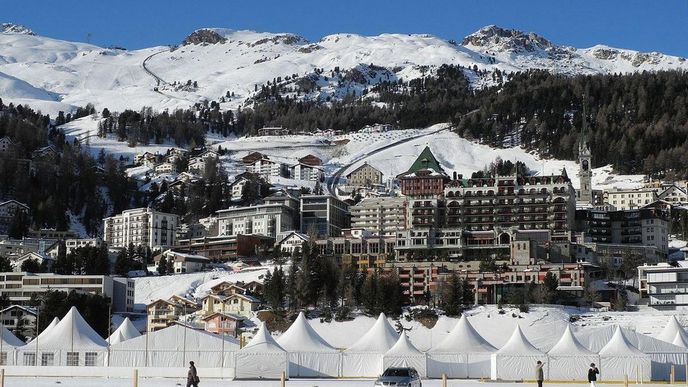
680,340
72,332
669,332
380,338
301,337
403,347
262,342
177,338
125,331
618,345
569,345
518,345
464,339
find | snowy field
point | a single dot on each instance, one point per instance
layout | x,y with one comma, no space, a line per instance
156,382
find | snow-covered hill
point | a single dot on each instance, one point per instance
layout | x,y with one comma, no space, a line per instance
60,74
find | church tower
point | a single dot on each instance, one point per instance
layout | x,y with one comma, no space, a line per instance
584,160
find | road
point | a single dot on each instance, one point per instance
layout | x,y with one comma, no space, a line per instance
159,81
333,181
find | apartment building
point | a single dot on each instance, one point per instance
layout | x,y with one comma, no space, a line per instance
674,195
183,262
20,320
267,219
648,227
224,248
383,216
324,215
19,287
73,244
266,168
236,303
665,286
306,172
629,199
141,226
358,249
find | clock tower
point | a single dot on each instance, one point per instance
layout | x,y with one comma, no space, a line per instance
584,161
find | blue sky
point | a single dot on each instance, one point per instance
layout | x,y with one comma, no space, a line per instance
657,25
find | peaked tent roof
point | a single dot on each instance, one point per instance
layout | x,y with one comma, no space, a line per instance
597,338
302,337
680,340
125,331
518,345
426,160
670,330
262,342
175,338
380,338
9,339
464,339
569,345
402,347
71,332
618,345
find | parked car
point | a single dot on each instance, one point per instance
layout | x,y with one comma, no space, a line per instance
399,377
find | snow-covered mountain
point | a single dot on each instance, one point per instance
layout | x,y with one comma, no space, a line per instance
55,75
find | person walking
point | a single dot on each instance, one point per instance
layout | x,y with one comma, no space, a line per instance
592,374
539,374
192,377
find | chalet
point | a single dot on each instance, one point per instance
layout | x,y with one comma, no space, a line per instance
674,195
252,158
226,288
8,210
237,188
43,260
292,242
240,304
183,262
311,160
222,323
45,154
173,155
19,320
162,313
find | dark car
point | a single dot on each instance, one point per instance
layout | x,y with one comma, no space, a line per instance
401,377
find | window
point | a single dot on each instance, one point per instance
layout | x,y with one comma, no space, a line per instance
47,359
90,359
29,359
72,359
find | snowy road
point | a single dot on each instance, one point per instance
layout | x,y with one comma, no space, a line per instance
156,382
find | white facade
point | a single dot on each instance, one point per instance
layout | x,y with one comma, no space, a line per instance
265,168
73,244
306,172
264,219
674,195
184,262
630,199
293,242
141,226
238,188
665,286
164,168
382,216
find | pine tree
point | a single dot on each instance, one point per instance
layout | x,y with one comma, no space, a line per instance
162,265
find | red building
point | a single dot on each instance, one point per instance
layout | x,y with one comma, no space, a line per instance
425,178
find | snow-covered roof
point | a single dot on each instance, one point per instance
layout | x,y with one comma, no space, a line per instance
403,347
301,337
72,332
380,338
262,342
125,331
618,345
464,339
569,345
518,345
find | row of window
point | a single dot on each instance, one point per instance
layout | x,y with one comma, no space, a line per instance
48,359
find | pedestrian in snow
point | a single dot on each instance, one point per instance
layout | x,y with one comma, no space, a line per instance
539,375
192,377
592,374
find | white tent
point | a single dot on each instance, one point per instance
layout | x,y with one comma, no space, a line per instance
662,354
569,360
619,357
310,355
516,359
261,358
462,354
125,331
669,332
405,354
70,342
51,325
8,345
364,357
174,346
680,340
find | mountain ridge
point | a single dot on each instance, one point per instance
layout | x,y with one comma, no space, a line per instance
230,66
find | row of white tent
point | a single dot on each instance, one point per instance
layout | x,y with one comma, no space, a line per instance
301,352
